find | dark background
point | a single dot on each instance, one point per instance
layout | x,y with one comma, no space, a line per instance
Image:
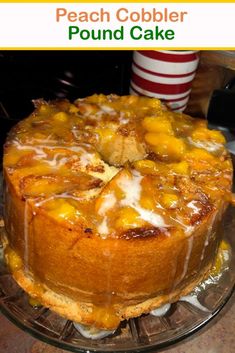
27,75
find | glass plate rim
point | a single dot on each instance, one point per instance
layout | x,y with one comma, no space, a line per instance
143,348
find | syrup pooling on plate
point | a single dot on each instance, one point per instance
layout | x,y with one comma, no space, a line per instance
220,266
192,298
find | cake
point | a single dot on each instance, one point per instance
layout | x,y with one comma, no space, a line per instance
113,205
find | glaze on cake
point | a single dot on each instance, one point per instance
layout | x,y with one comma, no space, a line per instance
113,205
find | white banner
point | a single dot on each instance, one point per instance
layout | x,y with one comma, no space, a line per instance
117,25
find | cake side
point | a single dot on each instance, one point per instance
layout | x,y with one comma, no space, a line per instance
109,280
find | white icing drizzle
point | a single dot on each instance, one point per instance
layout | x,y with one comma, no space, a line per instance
46,141
225,255
57,161
192,299
186,261
107,109
58,196
193,206
104,109
85,156
161,311
187,229
151,217
92,332
187,258
38,150
108,202
122,119
210,146
208,233
132,189
75,132
26,233
103,228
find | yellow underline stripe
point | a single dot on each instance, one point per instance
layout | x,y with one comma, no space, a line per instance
117,48
116,1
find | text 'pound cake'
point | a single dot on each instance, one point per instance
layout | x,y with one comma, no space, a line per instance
112,205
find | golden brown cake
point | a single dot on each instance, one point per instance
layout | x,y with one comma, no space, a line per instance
112,205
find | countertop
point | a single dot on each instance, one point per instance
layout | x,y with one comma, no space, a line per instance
217,337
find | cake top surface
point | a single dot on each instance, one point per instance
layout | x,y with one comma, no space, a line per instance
121,167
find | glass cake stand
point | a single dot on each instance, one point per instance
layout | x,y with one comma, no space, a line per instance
144,334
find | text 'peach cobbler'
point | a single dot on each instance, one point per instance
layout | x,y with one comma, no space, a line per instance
113,205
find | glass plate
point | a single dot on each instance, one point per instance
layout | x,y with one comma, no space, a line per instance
143,334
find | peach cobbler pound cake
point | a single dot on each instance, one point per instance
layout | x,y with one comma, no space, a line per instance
112,205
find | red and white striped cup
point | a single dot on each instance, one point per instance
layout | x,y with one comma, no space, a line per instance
164,74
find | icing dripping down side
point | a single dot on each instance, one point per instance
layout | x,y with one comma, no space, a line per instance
208,234
103,228
108,202
26,238
161,311
92,332
186,261
187,258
